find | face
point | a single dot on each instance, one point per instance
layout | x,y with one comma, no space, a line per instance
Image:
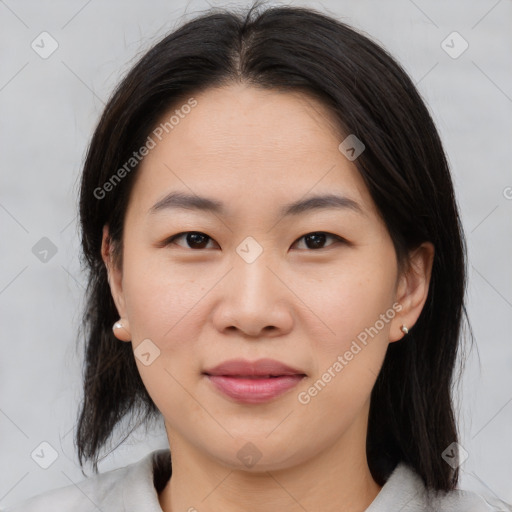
313,287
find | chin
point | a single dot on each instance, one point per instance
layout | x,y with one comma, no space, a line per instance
258,453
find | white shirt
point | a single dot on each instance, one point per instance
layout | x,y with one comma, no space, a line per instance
131,489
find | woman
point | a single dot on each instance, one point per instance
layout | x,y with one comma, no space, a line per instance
277,268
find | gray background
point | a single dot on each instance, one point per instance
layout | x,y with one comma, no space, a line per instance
49,108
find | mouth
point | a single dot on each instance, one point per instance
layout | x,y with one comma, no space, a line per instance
254,390
255,377
253,382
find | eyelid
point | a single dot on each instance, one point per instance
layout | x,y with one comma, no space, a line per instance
170,240
336,238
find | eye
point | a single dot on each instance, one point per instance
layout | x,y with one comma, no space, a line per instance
198,240
194,239
317,239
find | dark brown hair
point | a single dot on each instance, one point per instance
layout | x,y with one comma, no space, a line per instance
404,167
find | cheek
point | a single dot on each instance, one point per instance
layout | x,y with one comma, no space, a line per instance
357,311
160,297
350,302
163,304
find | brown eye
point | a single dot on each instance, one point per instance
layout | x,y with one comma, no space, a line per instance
197,240
194,239
317,239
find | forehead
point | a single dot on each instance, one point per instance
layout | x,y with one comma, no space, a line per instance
251,145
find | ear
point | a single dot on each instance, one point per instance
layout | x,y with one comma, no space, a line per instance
412,289
115,274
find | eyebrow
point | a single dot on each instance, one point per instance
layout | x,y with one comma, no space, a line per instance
180,200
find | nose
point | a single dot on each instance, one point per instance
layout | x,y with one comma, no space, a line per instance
254,300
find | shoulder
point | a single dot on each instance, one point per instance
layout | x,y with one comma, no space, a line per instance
129,485
404,490
467,501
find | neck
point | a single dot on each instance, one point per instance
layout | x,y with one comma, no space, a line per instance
337,475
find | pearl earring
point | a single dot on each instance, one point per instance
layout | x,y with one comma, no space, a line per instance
117,325
404,329
122,330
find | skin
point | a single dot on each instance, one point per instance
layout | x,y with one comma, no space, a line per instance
256,150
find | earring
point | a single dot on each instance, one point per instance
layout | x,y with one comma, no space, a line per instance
117,325
121,330
404,329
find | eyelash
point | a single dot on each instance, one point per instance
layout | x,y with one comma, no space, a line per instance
171,239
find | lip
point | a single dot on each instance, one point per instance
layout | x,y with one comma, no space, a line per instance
259,368
253,381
